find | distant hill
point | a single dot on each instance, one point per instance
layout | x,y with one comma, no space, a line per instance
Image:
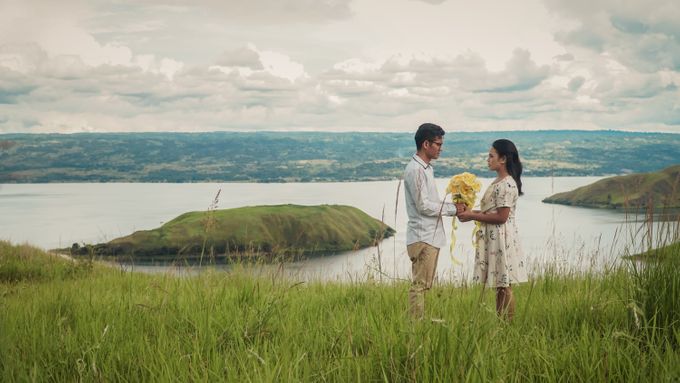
315,156
264,230
634,191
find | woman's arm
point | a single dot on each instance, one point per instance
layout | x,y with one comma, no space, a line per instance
497,218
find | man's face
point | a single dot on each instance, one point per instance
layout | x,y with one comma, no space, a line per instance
433,148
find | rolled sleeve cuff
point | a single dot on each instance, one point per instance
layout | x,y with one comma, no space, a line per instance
450,209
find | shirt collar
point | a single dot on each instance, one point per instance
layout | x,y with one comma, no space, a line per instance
420,161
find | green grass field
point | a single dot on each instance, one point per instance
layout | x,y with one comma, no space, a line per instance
72,321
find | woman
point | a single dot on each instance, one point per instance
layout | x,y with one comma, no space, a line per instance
499,261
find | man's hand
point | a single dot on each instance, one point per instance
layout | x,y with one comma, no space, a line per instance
460,207
467,215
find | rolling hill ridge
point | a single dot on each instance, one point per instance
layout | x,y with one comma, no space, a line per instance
634,191
315,156
253,230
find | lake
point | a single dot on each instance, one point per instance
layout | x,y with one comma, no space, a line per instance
58,215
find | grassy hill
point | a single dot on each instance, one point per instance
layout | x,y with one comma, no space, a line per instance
634,191
272,230
670,250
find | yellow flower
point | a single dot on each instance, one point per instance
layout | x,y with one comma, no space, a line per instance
463,188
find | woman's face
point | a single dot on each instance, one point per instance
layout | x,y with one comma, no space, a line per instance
494,162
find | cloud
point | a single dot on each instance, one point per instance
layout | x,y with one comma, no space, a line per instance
269,12
280,65
644,35
65,91
251,63
21,58
93,66
246,56
575,83
521,73
14,86
564,57
431,1
61,93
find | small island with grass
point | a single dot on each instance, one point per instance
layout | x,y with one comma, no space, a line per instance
658,254
253,231
656,190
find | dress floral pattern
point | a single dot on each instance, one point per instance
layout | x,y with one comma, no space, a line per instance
499,261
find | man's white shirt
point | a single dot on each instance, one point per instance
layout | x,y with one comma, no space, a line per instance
423,205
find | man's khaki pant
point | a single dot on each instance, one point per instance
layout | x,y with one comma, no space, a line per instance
423,267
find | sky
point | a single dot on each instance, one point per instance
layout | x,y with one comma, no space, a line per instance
73,66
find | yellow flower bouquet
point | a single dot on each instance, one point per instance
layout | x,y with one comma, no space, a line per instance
463,189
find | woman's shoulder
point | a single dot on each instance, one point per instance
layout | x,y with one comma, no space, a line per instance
507,183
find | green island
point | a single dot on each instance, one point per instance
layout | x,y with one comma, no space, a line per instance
658,190
253,231
656,255
78,320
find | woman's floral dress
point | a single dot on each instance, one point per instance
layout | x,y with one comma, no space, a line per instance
499,261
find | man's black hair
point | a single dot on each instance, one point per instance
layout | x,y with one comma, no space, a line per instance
428,132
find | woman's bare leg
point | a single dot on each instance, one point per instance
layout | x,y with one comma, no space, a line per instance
505,303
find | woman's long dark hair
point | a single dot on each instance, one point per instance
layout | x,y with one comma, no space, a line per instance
505,148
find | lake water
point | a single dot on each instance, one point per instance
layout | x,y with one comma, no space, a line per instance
58,215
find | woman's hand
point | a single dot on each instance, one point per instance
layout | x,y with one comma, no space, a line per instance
498,217
467,215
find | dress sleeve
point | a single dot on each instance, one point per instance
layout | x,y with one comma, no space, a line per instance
506,195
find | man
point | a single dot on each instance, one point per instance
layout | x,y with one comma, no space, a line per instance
425,231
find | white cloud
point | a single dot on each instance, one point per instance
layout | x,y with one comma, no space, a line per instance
281,65
21,58
520,73
644,35
93,66
245,56
250,62
269,12
432,1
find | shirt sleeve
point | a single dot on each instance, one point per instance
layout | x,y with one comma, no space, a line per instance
505,195
417,184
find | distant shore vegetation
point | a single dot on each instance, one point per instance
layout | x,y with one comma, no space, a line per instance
315,156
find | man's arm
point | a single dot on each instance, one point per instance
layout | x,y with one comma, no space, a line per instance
417,184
